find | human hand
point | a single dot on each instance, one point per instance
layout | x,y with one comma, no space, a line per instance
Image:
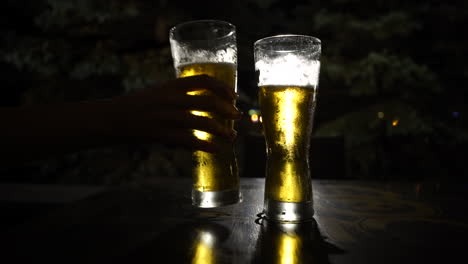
161,113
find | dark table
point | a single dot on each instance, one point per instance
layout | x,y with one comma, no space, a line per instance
356,222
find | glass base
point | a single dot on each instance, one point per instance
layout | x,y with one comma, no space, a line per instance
288,212
215,199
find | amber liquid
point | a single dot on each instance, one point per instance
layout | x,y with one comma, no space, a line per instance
287,115
213,172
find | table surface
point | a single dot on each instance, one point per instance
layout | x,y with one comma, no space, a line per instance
356,222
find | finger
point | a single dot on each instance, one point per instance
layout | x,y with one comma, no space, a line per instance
149,125
186,139
197,82
209,103
185,119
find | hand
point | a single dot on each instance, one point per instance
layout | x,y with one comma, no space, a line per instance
157,114
161,113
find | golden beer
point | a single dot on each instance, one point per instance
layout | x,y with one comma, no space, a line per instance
288,73
213,172
287,114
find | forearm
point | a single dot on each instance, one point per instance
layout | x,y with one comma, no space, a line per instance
38,132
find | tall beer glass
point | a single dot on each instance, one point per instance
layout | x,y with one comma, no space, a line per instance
288,73
209,47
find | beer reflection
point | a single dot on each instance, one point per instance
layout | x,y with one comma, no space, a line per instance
206,244
288,248
204,248
290,244
187,243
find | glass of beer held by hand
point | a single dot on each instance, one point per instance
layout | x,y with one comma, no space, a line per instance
208,47
288,72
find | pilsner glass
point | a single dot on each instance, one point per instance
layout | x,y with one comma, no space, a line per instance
209,47
288,72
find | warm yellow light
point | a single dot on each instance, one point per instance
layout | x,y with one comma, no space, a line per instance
395,122
254,118
188,71
200,113
289,249
203,255
203,251
260,119
202,135
198,92
289,115
289,187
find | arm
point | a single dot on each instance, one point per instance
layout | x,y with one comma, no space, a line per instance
157,114
39,132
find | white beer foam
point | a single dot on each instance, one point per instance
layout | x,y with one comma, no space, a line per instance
290,70
186,54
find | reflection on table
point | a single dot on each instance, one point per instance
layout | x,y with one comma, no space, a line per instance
356,222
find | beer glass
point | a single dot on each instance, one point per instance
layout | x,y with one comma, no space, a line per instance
288,73
209,47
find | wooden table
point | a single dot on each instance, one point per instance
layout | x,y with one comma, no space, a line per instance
356,222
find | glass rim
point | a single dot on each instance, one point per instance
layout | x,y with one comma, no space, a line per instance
315,41
191,22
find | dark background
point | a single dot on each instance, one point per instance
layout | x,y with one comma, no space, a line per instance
392,85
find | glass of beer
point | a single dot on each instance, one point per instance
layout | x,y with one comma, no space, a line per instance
209,47
288,72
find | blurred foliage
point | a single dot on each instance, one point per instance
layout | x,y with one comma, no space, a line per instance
404,59
400,59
